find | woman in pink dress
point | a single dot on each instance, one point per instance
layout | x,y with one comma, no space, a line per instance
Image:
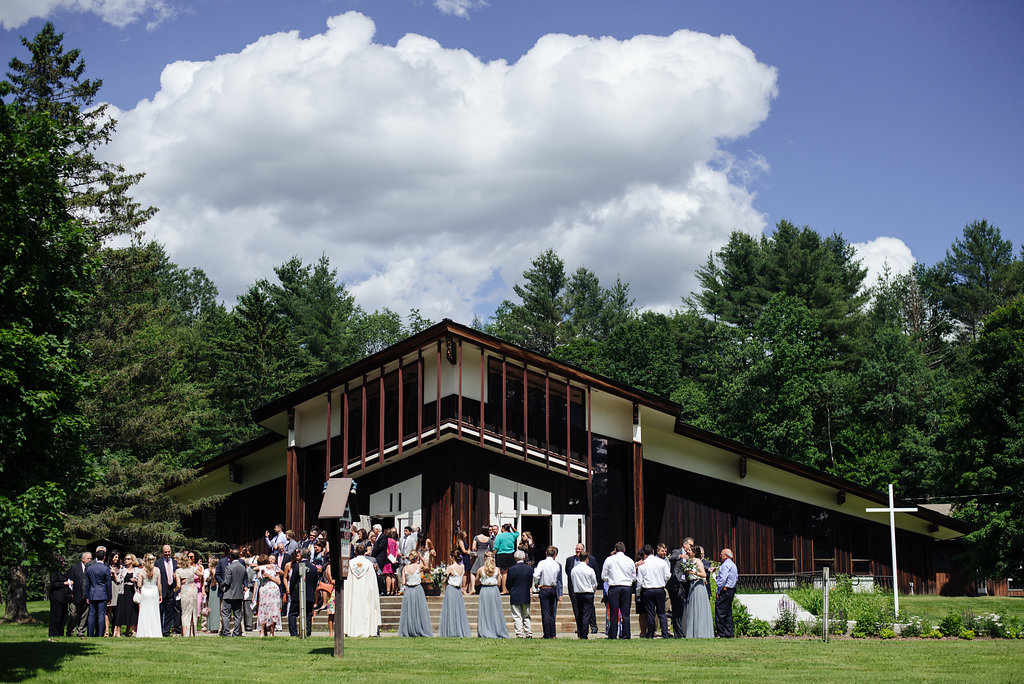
200,583
391,586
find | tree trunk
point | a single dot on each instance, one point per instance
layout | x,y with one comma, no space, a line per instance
17,597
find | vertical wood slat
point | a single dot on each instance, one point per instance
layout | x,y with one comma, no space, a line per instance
483,376
459,421
363,434
401,407
419,400
547,420
327,456
568,428
380,415
590,476
344,440
526,417
437,405
638,494
504,408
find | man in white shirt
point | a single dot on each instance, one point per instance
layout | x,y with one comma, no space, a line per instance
548,579
583,580
652,574
279,537
619,572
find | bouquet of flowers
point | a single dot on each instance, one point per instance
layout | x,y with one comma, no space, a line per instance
691,569
437,576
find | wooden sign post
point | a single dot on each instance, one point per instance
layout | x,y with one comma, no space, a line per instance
338,514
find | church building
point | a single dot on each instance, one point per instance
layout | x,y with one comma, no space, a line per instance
452,429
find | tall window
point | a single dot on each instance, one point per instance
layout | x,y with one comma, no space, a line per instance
822,538
783,555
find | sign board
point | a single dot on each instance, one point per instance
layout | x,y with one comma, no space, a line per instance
335,505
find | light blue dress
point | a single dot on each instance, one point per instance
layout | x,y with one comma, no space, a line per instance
490,622
415,618
454,621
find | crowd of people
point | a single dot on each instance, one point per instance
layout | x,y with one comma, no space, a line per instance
183,594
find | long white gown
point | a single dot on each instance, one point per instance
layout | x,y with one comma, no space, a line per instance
362,602
149,609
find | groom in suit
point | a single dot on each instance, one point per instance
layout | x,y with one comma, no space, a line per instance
302,560
170,609
236,580
97,591
679,587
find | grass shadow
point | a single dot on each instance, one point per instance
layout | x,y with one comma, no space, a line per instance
29,659
322,651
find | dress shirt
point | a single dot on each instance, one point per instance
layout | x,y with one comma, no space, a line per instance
653,573
547,573
167,568
618,570
584,579
727,574
279,538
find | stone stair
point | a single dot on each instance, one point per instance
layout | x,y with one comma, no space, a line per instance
391,609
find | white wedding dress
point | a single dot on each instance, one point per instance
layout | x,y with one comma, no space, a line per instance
362,602
149,609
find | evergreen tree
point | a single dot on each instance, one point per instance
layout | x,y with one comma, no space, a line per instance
51,83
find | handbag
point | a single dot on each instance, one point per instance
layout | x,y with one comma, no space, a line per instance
137,597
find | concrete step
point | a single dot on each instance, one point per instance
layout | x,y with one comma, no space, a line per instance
391,610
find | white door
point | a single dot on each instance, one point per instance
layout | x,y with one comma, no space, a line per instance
566,532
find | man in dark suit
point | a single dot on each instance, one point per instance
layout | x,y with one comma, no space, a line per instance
302,560
678,587
79,606
97,592
170,609
570,563
379,552
519,582
236,580
57,592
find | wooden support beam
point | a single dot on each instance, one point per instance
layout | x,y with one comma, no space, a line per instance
327,455
344,433
401,406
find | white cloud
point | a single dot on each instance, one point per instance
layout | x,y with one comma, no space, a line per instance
459,8
431,178
120,13
881,252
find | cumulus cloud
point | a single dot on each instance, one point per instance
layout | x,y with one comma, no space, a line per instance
459,8
431,178
120,13
883,252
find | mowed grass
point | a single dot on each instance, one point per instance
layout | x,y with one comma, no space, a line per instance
934,608
25,655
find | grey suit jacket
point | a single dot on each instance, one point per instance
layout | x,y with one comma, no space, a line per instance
236,579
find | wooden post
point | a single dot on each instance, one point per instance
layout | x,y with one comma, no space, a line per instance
638,480
327,456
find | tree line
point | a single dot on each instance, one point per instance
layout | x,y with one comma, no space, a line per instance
120,371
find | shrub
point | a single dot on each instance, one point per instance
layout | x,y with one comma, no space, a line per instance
989,625
1012,628
786,622
808,598
837,622
914,627
932,634
758,628
809,628
887,634
966,634
740,618
951,624
872,614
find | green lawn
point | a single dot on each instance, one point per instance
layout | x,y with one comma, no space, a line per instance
25,654
934,608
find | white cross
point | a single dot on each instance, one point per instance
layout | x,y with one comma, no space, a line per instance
892,511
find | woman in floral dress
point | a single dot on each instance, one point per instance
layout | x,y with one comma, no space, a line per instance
268,616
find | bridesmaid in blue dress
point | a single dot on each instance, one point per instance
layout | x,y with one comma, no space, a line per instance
490,622
454,622
415,618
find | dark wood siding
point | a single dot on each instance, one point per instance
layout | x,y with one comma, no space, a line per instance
720,514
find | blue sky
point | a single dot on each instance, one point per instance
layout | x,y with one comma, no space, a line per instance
432,176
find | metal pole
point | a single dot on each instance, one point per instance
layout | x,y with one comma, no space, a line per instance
334,534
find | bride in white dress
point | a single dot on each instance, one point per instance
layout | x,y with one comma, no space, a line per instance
148,582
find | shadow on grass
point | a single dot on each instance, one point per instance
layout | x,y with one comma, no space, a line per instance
28,659
322,651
